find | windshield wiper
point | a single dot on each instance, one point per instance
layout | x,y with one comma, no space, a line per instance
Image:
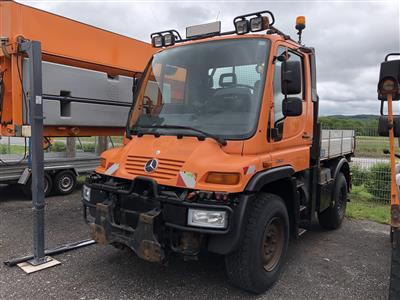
220,140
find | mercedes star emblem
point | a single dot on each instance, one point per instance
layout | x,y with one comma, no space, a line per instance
151,165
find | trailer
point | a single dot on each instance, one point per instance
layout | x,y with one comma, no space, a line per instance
60,171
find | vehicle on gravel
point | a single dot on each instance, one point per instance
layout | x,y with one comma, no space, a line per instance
223,153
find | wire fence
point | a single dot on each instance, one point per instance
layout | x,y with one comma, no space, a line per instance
87,144
370,166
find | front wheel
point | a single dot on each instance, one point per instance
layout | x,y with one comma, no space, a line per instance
258,261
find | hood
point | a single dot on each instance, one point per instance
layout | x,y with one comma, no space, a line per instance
180,162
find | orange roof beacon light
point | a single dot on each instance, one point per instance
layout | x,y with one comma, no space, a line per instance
211,156
300,26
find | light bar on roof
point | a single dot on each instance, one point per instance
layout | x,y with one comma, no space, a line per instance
203,29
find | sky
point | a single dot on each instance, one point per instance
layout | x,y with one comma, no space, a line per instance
351,38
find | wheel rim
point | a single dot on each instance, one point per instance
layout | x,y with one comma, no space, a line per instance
273,244
65,183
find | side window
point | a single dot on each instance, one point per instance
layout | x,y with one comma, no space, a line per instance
278,96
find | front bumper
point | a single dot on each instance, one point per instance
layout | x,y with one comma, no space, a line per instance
144,218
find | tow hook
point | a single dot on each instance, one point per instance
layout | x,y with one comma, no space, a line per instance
144,242
142,239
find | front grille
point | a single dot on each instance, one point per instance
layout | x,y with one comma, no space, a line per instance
166,169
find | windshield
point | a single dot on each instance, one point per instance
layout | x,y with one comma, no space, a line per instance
215,87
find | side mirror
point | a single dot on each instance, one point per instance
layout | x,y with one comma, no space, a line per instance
291,77
292,107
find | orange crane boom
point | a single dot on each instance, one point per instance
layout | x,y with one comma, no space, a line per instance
65,42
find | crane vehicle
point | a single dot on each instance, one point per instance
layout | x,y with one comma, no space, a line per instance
60,78
223,152
87,77
389,125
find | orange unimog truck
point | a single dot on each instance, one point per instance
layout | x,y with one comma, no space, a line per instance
223,152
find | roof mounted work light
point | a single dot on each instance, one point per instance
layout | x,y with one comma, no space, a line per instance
258,23
157,41
169,39
242,26
165,38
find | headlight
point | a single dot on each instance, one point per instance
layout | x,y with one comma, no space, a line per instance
86,192
207,218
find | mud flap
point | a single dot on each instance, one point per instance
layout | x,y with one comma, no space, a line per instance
98,229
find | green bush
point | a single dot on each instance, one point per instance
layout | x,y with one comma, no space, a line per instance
359,175
378,182
58,147
87,147
3,149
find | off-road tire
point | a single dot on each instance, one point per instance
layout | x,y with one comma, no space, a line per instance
394,290
245,266
48,185
64,182
332,217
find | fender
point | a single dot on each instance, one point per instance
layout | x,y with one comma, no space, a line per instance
337,166
262,178
227,243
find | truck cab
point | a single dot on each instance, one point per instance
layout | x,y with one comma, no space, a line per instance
223,152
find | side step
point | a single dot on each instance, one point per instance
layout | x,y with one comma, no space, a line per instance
301,231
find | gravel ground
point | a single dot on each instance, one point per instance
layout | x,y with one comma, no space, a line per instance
350,263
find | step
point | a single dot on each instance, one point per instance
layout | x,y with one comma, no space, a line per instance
301,231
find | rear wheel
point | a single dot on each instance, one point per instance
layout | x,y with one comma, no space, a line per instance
332,217
27,188
64,182
258,261
394,291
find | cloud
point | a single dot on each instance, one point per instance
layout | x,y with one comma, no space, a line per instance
351,38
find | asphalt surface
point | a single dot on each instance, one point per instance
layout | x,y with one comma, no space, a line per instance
350,263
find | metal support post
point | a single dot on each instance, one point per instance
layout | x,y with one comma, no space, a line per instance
34,52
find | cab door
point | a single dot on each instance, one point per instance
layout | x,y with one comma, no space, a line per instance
290,141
